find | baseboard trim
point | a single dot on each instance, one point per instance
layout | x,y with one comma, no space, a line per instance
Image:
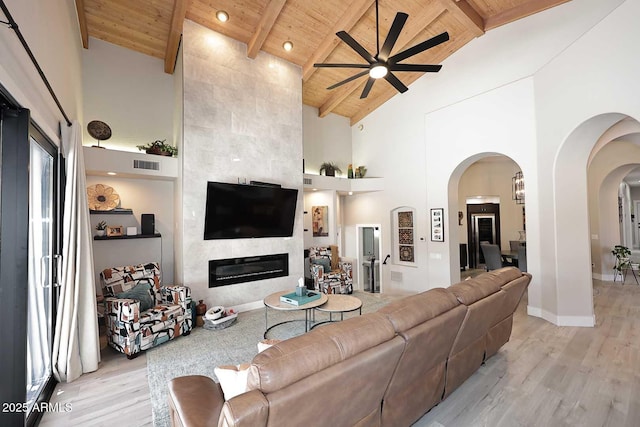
578,321
603,277
247,306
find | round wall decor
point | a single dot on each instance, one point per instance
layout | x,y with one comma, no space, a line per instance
102,197
99,130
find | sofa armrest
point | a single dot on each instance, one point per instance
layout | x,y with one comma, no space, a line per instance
180,295
123,315
195,400
248,409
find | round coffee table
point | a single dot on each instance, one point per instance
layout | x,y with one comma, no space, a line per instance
337,303
273,301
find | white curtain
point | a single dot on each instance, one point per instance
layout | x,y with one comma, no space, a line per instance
76,344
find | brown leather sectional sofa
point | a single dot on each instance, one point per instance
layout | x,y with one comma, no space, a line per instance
386,368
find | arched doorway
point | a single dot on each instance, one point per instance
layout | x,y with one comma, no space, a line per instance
572,302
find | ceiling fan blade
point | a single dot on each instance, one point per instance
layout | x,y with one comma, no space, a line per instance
420,47
355,76
345,37
392,37
423,68
342,65
367,88
396,82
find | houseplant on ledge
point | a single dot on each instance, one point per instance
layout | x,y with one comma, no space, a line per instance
329,169
101,228
160,148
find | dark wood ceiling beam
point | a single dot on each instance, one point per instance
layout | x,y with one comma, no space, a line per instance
269,17
354,13
466,14
82,22
336,96
175,32
518,12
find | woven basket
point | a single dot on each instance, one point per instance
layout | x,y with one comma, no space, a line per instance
222,323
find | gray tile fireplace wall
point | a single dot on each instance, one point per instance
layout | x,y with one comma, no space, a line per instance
242,121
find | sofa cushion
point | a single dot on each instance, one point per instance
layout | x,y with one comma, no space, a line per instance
141,292
291,360
408,312
233,379
470,291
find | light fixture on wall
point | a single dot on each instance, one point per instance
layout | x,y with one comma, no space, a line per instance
517,188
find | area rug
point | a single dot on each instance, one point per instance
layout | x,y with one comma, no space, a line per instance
203,350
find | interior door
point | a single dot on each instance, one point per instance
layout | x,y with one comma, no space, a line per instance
484,230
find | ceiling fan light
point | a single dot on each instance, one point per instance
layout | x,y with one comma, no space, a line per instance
222,16
288,46
378,71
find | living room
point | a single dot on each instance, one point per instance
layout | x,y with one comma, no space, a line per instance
548,111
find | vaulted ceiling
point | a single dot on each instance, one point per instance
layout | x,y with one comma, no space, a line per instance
154,27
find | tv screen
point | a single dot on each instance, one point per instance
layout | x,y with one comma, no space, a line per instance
236,211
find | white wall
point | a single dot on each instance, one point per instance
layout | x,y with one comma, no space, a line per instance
242,119
326,139
484,101
130,92
51,30
142,196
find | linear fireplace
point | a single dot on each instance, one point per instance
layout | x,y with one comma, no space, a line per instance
238,270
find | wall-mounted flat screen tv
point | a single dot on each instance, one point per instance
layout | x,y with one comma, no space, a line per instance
236,211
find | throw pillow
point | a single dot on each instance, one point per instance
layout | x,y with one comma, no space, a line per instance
233,379
140,292
324,262
266,343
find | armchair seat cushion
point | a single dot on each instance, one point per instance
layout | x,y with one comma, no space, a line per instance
161,313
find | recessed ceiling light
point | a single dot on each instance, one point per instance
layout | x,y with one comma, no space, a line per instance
222,16
111,173
288,46
351,193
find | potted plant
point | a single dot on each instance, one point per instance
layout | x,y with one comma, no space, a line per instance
329,169
101,228
159,147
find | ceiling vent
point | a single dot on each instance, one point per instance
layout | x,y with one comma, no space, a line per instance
145,164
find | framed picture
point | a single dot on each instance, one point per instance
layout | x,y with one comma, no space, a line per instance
320,218
115,230
437,225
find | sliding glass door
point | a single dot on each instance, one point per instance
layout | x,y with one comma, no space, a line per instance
41,266
29,211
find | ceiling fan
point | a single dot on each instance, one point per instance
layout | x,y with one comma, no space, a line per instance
381,64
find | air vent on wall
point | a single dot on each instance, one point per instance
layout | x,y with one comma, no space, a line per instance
308,181
145,164
396,276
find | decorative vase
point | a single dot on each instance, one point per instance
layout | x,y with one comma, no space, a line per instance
201,309
350,171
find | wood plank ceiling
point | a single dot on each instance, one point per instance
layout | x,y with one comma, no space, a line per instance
154,27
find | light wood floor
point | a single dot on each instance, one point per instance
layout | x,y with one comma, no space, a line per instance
545,376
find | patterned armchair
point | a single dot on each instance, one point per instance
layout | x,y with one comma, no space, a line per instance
140,313
330,274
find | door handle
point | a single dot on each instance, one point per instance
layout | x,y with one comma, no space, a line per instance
44,271
58,266
46,274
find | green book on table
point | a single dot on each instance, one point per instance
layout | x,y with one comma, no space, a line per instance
294,299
